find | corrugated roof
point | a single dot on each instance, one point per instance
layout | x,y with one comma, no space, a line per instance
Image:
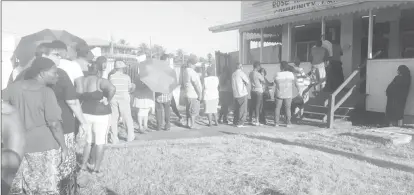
343,7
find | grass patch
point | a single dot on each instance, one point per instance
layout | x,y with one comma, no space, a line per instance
249,164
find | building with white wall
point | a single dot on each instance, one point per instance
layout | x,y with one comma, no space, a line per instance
362,27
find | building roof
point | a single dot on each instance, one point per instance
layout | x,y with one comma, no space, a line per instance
97,42
334,9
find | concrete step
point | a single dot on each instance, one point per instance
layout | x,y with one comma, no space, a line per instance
321,109
322,116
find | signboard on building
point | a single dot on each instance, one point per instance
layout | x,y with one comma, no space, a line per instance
286,6
283,8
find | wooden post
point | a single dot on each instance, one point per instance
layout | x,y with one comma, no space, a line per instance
241,44
261,45
370,33
323,29
331,111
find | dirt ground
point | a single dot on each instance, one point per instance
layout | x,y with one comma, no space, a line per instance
260,160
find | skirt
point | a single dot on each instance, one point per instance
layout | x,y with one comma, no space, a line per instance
211,106
143,103
43,172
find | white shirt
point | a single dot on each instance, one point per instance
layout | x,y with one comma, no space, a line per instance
211,84
190,76
239,82
284,84
71,68
328,45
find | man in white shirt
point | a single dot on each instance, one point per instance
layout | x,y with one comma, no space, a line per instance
84,57
73,69
241,84
192,87
327,45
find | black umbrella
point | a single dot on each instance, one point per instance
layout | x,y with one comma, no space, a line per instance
26,48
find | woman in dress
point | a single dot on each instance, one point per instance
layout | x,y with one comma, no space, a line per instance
397,93
144,102
95,93
46,157
211,95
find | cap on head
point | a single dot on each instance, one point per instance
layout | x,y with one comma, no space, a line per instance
83,51
57,44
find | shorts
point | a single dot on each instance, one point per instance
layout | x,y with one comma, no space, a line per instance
192,107
211,106
143,111
298,102
99,128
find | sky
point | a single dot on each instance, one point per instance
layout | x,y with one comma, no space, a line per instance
174,25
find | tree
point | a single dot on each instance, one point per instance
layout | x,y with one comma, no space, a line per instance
203,60
123,42
158,51
179,55
144,49
210,58
193,58
171,55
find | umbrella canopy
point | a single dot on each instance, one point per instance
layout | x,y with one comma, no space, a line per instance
26,48
158,75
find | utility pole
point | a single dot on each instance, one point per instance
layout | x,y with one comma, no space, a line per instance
150,48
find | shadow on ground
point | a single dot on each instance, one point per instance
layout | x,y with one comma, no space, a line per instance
110,192
376,162
366,137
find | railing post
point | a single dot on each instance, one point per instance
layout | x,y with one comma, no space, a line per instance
331,111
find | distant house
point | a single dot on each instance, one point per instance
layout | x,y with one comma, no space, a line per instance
106,47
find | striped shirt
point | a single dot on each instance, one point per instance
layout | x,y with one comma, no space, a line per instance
284,81
122,83
302,79
163,97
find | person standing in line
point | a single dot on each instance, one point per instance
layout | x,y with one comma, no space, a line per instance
211,96
284,81
13,145
144,102
120,103
72,69
240,84
266,94
66,96
303,82
336,73
319,55
225,94
193,94
257,81
95,95
101,62
173,103
84,57
162,108
397,93
46,160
